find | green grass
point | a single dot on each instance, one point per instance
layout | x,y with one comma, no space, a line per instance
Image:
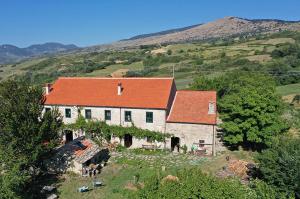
121,169
289,89
114,176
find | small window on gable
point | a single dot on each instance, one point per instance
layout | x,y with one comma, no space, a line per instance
88,113
107,115
149,117
47,109
68,113
211,108
127,116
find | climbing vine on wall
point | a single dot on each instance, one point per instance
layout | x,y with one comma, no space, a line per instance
100,128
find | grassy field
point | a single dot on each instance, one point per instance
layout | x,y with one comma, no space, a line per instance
289,89
118,175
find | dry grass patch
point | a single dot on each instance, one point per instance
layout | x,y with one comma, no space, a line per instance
259,58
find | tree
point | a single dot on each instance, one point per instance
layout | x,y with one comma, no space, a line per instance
248,106
279,165
26,136
169,52
251,111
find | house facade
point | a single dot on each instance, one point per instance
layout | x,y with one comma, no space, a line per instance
148,103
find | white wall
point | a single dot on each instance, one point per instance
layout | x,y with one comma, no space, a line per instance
138,116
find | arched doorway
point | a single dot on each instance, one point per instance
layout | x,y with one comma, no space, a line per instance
127,140
175,144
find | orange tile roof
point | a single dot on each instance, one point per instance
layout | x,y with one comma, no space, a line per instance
79,151
192,107
136,93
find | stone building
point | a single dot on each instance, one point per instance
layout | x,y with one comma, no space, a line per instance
148,103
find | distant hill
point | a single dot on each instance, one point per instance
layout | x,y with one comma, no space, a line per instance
161,32
221,28
10,53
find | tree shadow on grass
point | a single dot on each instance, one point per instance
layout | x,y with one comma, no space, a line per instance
35,189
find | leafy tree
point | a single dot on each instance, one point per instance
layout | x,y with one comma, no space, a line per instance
249,107
26,136
251,111
279,165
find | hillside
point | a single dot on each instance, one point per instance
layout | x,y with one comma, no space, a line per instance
221,28
10,53
276,54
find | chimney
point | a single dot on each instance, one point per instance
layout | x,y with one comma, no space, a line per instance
120,89
47,88
211,108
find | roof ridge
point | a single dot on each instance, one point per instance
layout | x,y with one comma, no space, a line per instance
196,90
115,78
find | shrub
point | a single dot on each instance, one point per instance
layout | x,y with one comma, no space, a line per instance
192,183
279,165
120,148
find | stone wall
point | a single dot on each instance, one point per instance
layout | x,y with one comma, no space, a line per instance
191,133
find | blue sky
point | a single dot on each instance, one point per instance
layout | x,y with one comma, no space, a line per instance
91,22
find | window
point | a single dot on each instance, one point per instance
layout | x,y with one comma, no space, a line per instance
107,115
149,139
47,109
149,117
201,143
68,113
127,116
88,113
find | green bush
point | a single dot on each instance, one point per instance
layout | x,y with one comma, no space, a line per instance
120,148
279,165
192,183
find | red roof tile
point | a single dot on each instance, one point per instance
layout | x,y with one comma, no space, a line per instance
136,93
192,107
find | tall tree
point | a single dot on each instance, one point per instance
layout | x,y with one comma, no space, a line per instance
26,135
249,107
251,111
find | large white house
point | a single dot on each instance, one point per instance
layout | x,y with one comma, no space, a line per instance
148,103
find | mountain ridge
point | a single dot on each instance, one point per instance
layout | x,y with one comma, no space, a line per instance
220,28
10,53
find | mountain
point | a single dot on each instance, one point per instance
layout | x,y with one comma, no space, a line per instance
10,53
161,32
221,28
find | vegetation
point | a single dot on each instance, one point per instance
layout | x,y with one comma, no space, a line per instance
274,54
249,106
26,137
101,130
192,183
279,165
